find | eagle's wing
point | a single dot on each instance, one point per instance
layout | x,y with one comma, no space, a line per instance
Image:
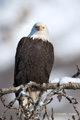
17,60
50,59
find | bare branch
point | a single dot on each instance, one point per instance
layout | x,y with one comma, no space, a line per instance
78,71
43,87
52,115
35,113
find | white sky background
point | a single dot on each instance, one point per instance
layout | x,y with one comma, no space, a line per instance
62,18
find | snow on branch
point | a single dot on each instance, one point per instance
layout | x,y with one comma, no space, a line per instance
55,87
63,83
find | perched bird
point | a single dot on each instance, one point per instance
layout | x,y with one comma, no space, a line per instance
34,59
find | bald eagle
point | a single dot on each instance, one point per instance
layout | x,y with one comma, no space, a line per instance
34,58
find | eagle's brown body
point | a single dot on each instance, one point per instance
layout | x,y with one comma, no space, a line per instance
33,61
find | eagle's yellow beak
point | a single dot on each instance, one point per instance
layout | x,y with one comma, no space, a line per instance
40,27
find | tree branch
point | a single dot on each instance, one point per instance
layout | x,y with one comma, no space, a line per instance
78,71
43,87
72,83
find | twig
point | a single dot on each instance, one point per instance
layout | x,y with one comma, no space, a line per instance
11,117
20,113
78,71
52,115
46,114
2,115
73,101
38,100
46,111
10,105
73,117
49,101
53,92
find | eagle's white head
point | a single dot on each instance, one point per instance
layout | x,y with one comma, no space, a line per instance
40,31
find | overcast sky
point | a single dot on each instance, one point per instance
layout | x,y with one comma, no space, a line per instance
61,17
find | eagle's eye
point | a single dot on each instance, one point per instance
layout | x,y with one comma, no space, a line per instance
36,27
43,27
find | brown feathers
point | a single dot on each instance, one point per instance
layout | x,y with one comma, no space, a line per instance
33,61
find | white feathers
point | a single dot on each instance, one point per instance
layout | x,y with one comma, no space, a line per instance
39,31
